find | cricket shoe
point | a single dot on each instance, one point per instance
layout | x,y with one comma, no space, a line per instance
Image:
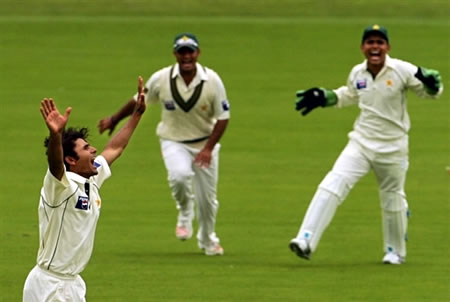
183,231
214,249
393,258
301,248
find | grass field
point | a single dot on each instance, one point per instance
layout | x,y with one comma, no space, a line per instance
88,55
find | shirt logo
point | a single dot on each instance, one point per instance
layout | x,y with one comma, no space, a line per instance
389,82
169,105
225,105
360,84
82,203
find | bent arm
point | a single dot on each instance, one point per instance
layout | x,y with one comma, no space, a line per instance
109,123
203,158
117,144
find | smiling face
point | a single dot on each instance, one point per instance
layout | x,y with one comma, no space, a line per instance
84,164
187,59
375,48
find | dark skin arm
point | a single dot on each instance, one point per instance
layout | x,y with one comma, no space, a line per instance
117,144
55,123
203,158
109,123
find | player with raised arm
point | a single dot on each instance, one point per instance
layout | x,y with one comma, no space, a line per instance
379,141
195,114
69,206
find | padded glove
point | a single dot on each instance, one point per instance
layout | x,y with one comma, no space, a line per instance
310,99
430,78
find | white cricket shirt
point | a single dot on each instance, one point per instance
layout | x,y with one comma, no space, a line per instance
383,122
68,218
198,122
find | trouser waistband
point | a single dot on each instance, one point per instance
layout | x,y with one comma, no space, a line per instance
55,274
197,140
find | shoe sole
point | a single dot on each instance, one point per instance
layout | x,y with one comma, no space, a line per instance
392,262
214,254
296,249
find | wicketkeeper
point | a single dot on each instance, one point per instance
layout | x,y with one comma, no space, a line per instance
378,141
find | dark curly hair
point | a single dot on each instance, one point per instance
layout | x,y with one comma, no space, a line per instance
69,136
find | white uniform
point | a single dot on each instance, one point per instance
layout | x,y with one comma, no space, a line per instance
188,116
379,141
68,213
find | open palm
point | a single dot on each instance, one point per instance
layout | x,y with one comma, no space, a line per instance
55,121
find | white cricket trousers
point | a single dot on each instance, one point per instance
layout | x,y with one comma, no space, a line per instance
191,185
44,286
353,163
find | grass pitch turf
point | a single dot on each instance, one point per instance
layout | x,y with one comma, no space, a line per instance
88,56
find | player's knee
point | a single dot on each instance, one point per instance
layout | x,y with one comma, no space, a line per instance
336,184
393,201
180,177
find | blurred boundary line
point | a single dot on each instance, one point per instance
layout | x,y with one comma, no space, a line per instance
234,19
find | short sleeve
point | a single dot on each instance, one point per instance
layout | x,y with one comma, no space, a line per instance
221,104
55,190
104,172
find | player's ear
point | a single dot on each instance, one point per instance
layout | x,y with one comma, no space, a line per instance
72,161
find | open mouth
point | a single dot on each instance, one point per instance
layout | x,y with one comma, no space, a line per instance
375,54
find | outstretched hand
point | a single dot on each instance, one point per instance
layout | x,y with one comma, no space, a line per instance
430,78
309,99
55,121
106,123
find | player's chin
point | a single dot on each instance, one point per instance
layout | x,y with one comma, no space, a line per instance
94,170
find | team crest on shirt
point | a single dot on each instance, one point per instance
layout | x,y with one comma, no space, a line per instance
360,84
225,105
169,105
82,203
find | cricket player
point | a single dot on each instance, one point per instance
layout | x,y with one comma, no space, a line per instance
378,141
195,114
69,206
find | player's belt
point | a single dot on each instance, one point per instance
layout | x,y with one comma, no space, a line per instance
197,140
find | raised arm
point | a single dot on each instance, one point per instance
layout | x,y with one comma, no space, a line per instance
117,144
110,122
55,123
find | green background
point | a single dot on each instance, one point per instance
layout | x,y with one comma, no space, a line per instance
88,54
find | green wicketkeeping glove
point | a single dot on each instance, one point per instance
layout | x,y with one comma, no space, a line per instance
310,99
430,78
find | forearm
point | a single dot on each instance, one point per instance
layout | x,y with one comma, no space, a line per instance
118,143
123,112
219,129
55,155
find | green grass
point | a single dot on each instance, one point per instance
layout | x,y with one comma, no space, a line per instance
88,56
